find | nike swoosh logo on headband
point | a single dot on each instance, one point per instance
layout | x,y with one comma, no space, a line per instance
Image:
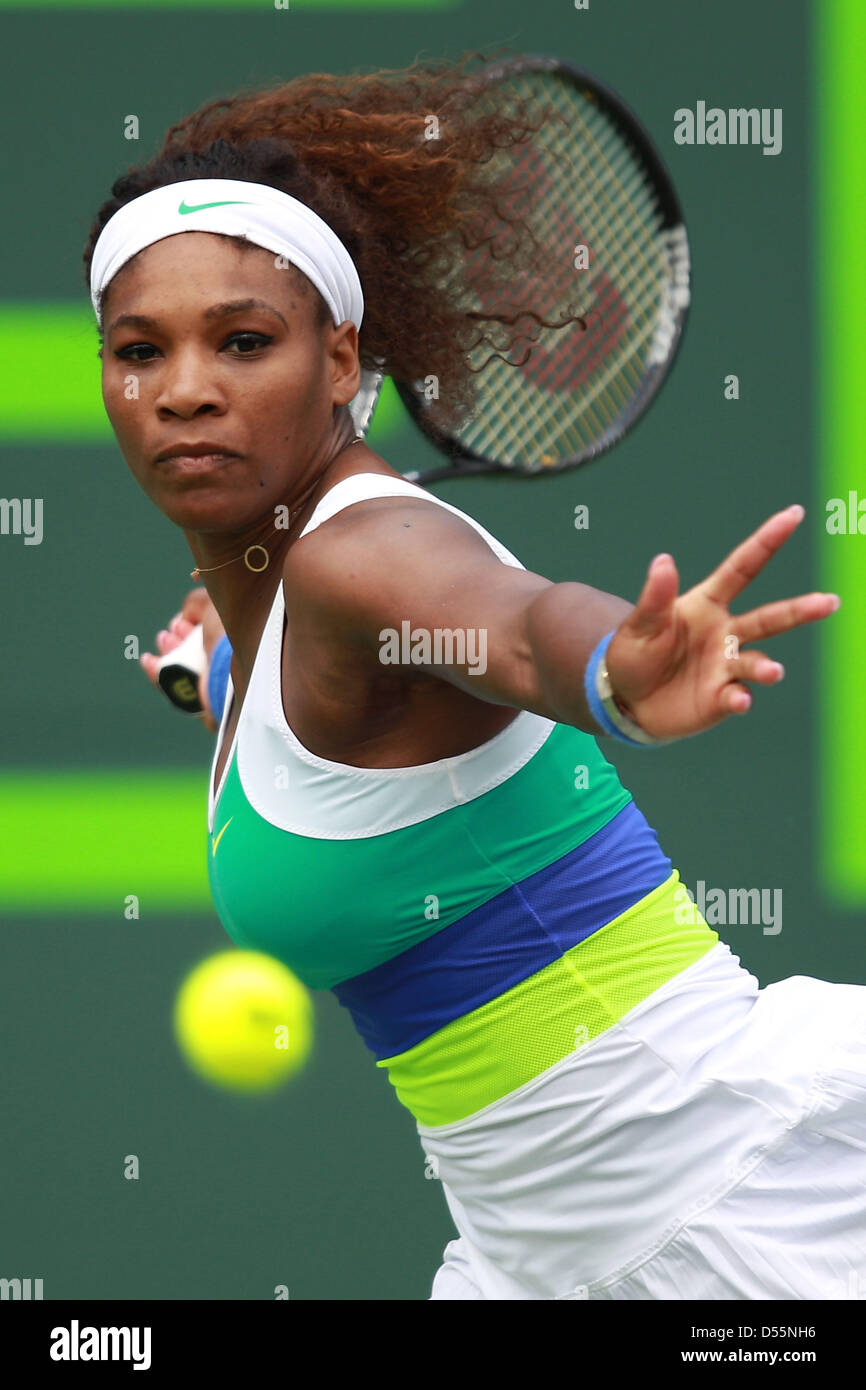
199,206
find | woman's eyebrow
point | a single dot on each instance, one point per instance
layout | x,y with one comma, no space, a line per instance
216,311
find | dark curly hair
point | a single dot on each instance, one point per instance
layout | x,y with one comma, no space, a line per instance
432,224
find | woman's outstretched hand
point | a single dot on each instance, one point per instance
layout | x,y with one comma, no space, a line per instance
676,664
197,608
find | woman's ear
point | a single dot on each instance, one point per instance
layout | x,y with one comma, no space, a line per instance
345,365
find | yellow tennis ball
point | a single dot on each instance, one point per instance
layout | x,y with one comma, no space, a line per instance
244,1021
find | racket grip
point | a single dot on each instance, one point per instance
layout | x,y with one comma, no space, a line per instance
179,671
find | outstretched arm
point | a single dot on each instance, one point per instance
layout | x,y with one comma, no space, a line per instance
676,662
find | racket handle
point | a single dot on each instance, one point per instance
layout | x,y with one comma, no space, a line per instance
179,671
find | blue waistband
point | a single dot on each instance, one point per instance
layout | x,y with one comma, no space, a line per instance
503,942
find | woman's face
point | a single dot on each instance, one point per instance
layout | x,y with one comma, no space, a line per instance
260,382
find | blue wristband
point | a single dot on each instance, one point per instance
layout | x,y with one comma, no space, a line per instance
593,699
218,676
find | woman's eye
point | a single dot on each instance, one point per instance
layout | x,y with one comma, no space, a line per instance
128,351
257,340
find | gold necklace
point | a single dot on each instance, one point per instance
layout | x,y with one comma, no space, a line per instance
259,569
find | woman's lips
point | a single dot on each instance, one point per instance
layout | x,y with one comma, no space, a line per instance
195,463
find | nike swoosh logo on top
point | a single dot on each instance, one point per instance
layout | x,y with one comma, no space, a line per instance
199,206
220,835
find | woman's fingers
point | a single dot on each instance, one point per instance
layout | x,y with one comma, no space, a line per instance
197,603
749,558
166,641
787,613
756,666
149,663
198,608
655,601
735,698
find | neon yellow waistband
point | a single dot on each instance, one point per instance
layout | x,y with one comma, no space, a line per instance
493,1050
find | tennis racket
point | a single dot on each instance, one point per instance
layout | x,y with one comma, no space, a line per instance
612,250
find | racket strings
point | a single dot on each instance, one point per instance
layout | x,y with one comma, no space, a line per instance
587,187
624,296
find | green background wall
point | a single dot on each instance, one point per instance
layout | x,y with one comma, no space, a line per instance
322,1186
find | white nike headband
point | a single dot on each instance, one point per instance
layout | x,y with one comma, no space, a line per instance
265,216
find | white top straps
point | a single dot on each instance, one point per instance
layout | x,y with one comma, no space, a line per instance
362,486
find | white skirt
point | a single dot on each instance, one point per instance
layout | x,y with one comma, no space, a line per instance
711,1145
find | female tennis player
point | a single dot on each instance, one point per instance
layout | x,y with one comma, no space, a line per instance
615,1108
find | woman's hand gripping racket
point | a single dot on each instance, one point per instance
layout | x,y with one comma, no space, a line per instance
186,647
612,246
